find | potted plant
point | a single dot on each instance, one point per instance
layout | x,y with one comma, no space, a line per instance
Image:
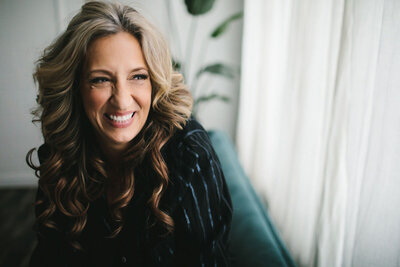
185,64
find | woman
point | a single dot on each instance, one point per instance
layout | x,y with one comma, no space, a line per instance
125,177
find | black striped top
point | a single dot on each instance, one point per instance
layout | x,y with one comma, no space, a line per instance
197,199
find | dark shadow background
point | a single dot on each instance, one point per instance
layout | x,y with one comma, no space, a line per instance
17,238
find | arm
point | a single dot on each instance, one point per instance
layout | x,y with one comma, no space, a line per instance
204,213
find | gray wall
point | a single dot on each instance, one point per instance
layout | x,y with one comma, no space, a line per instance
27,27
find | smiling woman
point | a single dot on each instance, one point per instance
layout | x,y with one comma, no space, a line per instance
116,90
125,177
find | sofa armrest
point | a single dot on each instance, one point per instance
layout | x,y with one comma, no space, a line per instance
254,239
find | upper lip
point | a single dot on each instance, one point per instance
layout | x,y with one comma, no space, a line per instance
120,113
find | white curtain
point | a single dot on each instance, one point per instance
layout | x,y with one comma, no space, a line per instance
319,125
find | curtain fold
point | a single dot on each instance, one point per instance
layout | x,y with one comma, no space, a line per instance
315,75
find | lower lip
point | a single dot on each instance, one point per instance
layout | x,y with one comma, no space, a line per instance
122,124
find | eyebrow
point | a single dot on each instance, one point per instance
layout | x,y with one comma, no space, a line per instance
109,73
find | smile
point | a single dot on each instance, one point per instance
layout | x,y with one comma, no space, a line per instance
120,121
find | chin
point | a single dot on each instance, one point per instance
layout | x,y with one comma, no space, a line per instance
122,141
119,138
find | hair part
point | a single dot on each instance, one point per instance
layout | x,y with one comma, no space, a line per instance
75,173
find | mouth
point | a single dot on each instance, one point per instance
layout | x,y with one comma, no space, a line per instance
116,118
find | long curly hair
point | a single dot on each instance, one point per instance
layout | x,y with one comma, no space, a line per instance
74,174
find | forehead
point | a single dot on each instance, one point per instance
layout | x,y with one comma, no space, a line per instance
116,50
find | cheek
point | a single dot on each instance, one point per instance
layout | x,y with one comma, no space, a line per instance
144,98
93,101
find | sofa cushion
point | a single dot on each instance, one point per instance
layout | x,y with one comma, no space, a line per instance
254,239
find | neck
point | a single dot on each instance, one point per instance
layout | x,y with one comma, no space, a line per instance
113,156
113,153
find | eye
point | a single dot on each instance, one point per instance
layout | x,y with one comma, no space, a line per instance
99,80
140,77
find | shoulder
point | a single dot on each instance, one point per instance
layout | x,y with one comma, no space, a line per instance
192,142
193,166
189,153
191,133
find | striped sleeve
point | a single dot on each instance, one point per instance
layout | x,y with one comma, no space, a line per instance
204,213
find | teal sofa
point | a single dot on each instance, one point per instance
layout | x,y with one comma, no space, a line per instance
254,239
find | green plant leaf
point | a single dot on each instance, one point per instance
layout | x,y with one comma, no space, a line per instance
199,7
218,68
224,25
176,65
209,97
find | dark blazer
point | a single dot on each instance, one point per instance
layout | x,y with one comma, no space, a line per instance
197,199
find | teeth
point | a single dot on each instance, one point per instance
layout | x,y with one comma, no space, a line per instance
121,118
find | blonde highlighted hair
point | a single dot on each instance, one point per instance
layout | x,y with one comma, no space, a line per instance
74,172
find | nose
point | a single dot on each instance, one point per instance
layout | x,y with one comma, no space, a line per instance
121,98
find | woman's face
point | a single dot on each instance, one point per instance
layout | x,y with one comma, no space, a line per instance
116,89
